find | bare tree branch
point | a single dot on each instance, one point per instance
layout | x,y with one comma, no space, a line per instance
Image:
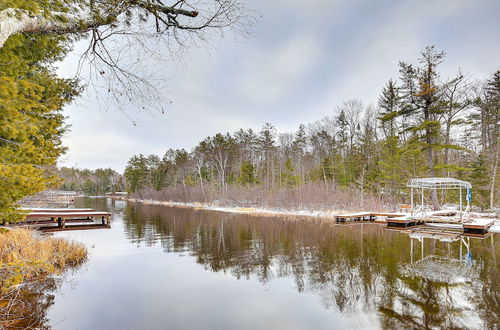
127,36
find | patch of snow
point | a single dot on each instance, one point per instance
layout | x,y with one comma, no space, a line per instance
495,228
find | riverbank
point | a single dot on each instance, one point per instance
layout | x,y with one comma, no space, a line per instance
304,213
319,214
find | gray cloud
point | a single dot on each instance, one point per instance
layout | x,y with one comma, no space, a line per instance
304,59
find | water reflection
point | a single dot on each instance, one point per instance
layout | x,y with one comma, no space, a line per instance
26,307
356,269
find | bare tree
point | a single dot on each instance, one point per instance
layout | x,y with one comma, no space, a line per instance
352,110
456,99
125,35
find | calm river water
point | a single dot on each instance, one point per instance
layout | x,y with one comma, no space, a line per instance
171,268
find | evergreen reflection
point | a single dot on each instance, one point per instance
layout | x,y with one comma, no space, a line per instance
353,268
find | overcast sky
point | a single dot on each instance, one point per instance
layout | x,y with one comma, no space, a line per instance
303,59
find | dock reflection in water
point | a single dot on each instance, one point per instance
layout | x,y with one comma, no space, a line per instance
361,273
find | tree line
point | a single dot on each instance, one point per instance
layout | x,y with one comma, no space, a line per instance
423,125
91,182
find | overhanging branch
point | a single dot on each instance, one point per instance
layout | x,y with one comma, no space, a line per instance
15,20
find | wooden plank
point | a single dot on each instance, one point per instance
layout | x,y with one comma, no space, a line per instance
396,220
478,224
52,210
73,227
67,214
391,215
352,215
41,222
477,235
472,226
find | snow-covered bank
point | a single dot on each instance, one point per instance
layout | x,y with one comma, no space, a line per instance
252,211
317,214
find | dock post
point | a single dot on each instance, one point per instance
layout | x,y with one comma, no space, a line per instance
422,200
411,249
461,213
461,259
411,201
422,245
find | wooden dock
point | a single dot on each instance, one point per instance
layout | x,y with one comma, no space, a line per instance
46,219
478,226
50,229
52,210
364,216
403,222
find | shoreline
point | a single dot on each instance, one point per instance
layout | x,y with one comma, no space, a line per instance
243,210
281,213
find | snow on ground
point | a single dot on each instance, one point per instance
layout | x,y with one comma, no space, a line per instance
261,211
325,214
496,227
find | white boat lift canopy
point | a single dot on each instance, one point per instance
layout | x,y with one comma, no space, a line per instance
440,183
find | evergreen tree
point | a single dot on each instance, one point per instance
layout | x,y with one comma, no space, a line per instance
288,177
247,173
421,90
136,173
31,122
389,103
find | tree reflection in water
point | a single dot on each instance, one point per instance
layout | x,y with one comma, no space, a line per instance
27,306
353,268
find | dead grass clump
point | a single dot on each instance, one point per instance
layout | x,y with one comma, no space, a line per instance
24,257
26,265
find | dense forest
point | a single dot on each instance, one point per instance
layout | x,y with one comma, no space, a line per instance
91,182
423,125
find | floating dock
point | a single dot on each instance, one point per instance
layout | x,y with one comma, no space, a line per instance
472,227
46,219
364,216
439,219
478,226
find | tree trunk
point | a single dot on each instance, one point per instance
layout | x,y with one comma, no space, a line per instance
493,179
430,163
201,181
430,159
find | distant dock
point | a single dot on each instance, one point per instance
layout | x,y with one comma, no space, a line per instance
444,219
63,219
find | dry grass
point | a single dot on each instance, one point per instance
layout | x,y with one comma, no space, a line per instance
24,256
26,265
310,196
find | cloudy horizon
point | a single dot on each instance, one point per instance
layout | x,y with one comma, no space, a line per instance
301,61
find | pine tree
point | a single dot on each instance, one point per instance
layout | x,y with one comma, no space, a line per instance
389,102
421,91
247,173
136,173
288,177
31,122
